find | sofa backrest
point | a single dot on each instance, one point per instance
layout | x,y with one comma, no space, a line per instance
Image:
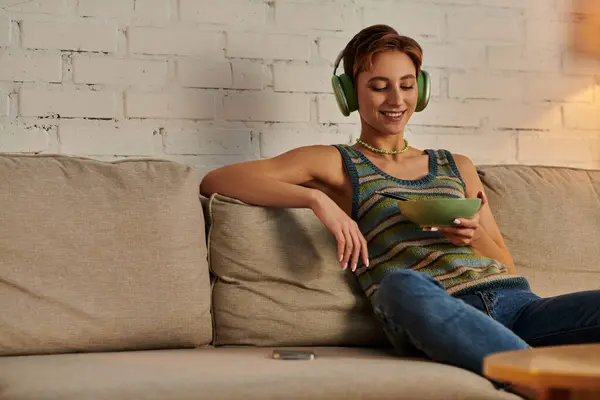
278,281
550,221
98,256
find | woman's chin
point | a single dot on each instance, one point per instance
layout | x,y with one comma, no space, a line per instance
386,128
392,129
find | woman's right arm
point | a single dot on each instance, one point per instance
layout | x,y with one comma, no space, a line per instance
276,182
273,182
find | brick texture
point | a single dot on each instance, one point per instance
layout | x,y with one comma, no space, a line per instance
125,9
67,103
89,140
310,16
208,141
402,18
236,12
5,32
23,139
78,36
30,67
182,104
267,107
116,71
182,41
57,7
208,82
268,46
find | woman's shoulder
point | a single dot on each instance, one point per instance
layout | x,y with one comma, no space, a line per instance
324,163
460,160
317,152
321,159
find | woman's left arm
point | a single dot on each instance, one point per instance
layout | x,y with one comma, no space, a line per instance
481,232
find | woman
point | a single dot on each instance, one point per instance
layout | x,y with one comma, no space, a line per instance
450,293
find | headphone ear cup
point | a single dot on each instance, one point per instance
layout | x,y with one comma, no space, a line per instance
349,92
424,85
340,97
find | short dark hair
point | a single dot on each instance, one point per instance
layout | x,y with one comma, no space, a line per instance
359,52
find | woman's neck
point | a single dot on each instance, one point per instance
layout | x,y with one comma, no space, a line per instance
381,141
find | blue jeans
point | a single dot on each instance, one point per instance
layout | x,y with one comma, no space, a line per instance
421,319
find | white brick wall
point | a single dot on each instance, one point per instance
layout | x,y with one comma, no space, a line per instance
4,32
274,142
234,13
300,78
209,141
524,58
67,103
211,82
484,86
88,139
4,104
19,139
542,149
205,74
180,40
402,17
52,7
124,9
492,24
268,46
31,67
79,36
118,72
267,107
180,104
330,17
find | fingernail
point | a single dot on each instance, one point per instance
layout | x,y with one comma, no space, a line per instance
457,221
341,258
367,264
345,265
434,229
426,229
353,267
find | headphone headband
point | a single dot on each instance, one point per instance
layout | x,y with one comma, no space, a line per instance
337,61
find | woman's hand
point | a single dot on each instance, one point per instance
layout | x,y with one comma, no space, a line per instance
466,231
351,242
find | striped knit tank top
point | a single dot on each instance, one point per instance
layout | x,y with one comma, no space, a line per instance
395,243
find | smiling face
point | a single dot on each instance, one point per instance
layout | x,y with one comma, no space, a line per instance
387,92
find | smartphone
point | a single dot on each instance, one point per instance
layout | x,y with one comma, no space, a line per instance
293,355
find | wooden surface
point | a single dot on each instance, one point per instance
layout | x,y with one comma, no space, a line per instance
562,367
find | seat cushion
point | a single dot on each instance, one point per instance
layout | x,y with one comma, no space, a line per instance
550,220
237,373
277,281
98,256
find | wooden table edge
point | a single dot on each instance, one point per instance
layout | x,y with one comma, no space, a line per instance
497,370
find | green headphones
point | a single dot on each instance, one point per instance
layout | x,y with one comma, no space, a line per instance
345,94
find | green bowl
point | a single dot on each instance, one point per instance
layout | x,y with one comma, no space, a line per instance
438,212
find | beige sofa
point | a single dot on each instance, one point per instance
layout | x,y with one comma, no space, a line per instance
105,289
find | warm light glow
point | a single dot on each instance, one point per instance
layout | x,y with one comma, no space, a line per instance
585,32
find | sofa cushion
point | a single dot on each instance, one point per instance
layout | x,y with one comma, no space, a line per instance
277,280
100,256
550,220
238,373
